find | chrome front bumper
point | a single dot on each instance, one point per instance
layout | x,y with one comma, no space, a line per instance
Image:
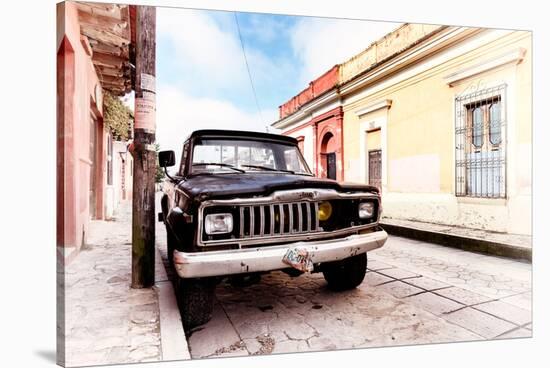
228,262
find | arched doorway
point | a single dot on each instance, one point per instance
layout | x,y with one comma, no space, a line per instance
328,156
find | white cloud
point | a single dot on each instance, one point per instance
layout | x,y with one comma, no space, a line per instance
208,60
321,43
198,40
209,52
179,114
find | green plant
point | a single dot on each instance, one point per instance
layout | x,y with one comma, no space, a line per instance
116,116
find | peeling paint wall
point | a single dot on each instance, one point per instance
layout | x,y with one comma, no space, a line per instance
391,44
316,88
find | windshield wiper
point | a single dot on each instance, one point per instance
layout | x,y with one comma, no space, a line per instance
219,164
268,168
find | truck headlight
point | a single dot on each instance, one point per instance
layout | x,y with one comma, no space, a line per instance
325,211
218,223
366,210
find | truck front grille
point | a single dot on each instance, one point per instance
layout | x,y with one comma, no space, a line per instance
278,219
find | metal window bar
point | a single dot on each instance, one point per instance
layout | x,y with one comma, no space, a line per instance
480,143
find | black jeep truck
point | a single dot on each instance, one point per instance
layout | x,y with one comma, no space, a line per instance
246,203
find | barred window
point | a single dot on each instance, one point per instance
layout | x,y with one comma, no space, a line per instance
480,129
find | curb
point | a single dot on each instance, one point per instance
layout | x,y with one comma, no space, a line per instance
172,335
461,242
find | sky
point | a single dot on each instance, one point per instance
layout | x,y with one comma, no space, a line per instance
202,79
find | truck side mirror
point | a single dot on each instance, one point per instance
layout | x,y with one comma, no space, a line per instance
167,158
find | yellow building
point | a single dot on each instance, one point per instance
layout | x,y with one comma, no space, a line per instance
440,119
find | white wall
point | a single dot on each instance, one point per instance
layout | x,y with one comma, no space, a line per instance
307,133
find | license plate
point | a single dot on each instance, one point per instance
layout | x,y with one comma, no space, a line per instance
298,258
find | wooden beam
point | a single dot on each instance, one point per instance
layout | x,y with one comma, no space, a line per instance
86,44
104,36
100,22
120,86
114,88
106,10
109,61
125,13
117,92
116,81
121,74
110,87
120,82
113,72
103,48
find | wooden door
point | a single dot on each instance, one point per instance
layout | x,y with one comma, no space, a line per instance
331,165
375,168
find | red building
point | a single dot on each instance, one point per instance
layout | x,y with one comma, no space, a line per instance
316,117
92,56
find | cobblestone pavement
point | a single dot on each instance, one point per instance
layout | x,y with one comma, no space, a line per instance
107,322
413,293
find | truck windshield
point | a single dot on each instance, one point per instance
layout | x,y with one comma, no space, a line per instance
243,155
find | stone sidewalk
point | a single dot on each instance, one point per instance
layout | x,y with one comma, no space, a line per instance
475,240
106,321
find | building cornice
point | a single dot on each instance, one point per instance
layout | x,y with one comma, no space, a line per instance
515,56
382,104
330,96
425,48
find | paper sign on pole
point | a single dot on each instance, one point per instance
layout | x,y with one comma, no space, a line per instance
145,114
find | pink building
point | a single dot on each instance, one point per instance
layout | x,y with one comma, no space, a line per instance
92,56
315,117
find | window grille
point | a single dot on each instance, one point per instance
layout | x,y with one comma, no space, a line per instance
480,151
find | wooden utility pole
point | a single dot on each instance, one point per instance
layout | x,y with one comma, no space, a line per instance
145,158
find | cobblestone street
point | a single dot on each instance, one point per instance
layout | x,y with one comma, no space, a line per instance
413,293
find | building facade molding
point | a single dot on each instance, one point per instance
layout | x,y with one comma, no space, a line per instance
382,104
305,111
400,60
512,57
454,50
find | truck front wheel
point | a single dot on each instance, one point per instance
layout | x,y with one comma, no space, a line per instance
347,273
196,300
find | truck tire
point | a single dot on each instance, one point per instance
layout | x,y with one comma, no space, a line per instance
347,273
170,246
196,300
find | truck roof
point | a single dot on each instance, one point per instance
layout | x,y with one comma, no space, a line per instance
221,133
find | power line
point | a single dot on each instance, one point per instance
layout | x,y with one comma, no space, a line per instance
248,70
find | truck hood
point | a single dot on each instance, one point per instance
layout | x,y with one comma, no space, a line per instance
203,187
